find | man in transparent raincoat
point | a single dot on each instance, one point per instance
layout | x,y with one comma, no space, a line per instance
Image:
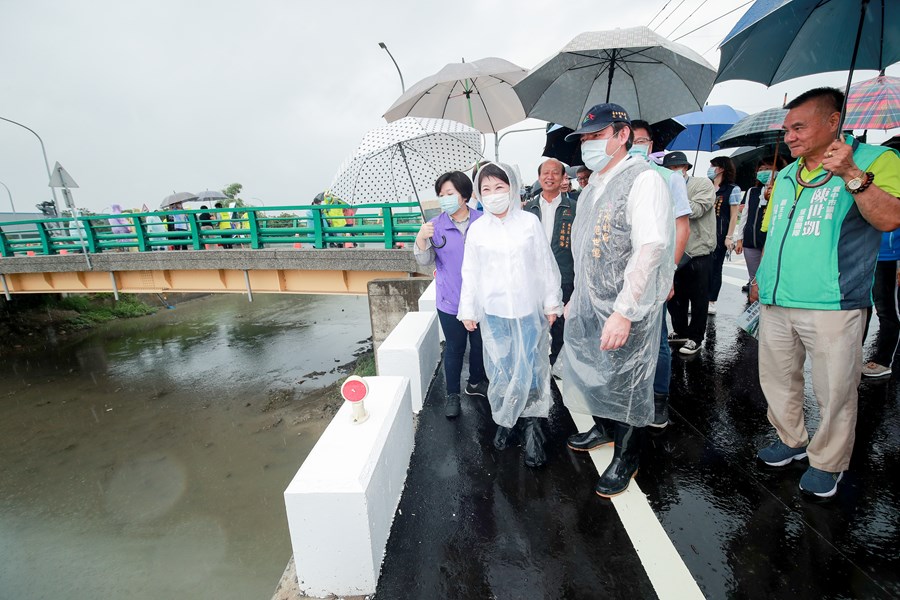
511,290
623,244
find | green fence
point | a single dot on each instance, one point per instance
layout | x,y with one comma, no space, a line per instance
386,225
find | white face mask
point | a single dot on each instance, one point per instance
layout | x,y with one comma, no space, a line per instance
496,204
594,154
449,204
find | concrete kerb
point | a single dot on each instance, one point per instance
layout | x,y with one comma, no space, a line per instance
341,504
342,501
412,350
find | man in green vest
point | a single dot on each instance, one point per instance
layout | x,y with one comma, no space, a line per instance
814,283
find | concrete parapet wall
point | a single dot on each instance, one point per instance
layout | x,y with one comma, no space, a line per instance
389,301
428,303
412,350
342,501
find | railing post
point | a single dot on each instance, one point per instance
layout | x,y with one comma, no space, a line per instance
5,249
317,227
388,221
195,230
140,233
89,234
46,242
254,230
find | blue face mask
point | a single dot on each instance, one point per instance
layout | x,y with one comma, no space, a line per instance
711,172
449,204
764,176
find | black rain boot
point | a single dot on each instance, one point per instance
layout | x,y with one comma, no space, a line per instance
504,437
535,456
624,465
660,411
598,435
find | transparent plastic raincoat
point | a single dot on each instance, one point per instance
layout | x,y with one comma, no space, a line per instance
510,281
623,242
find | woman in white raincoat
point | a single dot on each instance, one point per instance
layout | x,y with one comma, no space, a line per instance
511,289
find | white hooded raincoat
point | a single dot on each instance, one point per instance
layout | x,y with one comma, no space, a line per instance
510,281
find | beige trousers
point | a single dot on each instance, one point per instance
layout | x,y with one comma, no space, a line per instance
833,341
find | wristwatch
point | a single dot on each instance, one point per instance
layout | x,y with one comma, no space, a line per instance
860,182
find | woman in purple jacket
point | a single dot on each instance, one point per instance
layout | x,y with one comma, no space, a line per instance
441,241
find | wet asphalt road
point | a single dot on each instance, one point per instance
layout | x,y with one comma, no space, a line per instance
476,523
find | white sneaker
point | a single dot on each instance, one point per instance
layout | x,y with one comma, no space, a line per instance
690,347
712,308
873,369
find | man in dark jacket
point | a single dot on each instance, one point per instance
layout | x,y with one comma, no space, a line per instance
556,212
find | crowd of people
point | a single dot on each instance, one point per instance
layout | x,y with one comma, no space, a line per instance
577,283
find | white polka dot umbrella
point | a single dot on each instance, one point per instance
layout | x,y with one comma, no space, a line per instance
400,161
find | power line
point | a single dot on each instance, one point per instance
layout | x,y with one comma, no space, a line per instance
713,21
686,18
659,12
674,10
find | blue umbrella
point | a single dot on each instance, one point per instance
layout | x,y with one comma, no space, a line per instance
704,127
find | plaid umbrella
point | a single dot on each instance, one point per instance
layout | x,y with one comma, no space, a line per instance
757,129
874,104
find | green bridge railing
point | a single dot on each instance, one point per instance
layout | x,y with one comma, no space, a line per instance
250,227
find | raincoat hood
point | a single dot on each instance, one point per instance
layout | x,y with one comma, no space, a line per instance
515,204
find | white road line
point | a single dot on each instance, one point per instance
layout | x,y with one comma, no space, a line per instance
734,280
662,563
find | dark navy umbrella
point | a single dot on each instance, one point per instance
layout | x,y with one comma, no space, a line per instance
777,40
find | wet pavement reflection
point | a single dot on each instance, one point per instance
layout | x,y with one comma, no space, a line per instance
148,458
476,523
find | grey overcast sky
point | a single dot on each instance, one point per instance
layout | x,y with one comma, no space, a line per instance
137,99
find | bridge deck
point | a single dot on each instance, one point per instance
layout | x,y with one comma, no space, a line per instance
476,523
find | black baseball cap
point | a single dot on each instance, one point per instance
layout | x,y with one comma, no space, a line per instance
600,117
676,159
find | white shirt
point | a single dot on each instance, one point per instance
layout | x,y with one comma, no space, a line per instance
548,213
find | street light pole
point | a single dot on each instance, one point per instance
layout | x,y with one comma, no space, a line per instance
497,139
44,151
384,47
10,197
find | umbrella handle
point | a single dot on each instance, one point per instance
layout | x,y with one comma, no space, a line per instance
804,184
441,245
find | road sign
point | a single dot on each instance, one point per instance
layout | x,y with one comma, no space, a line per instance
61,178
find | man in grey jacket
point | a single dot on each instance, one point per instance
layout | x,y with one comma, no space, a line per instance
692,276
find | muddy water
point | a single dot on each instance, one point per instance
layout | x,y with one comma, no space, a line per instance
148,459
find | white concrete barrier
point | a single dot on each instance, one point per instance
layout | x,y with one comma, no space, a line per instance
342,501
428,303
412,350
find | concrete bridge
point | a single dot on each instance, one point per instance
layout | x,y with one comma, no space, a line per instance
293,271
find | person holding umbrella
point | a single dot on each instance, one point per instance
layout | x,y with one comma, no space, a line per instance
623,242
511,291
454,190
727,207
814,283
